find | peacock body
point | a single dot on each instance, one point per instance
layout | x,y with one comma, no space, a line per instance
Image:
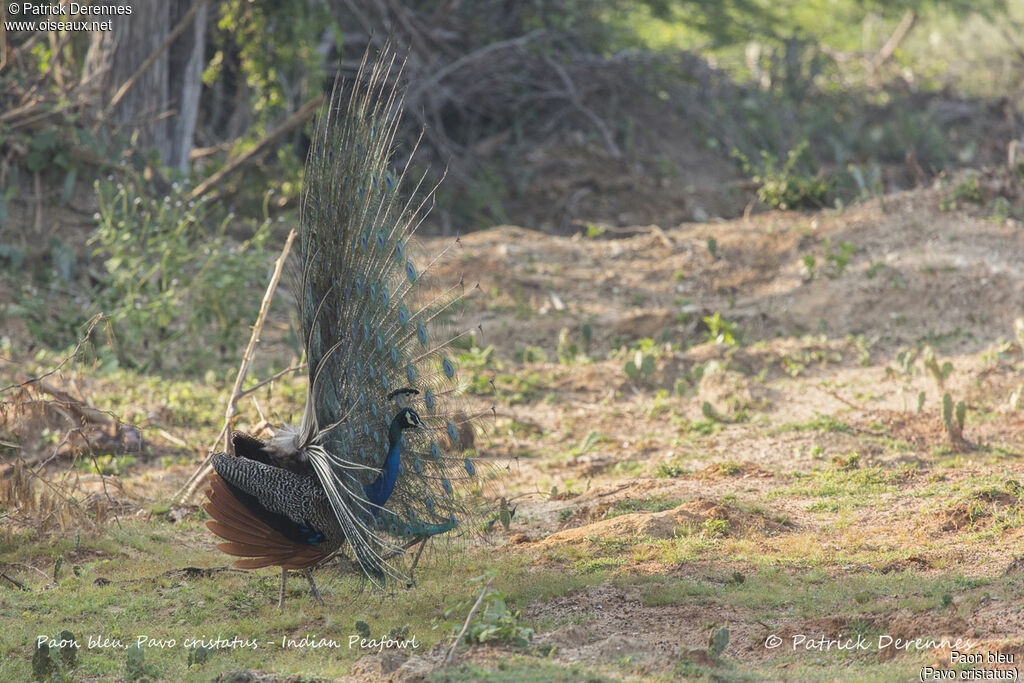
377,462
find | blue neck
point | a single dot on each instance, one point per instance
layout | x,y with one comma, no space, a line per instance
380,490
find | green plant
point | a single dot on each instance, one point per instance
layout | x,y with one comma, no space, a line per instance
362,628
531,354
839,259
728,468
640,367
587,336
721,331
938,372
649,504
709,413
169,284
716,528
789,185
873,270
713,247
848,462
809,262
198,655
592,438
869,184
966,190
669,471
136,668
953,419
718,639
567,350
495,621
54,657
906,368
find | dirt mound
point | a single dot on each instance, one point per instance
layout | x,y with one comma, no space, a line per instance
734,469
911,633
667,524
663,525
907,270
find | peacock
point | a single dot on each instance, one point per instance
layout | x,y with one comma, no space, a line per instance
380,461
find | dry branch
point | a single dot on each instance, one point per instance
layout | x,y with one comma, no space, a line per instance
243,370
465,626
17,583
296,119
78,347
889,49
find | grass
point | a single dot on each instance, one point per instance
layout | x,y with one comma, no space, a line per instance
525,386
860,542
132,583
810,593
128,582
520,668
652,504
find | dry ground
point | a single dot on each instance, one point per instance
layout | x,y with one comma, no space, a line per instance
790,485
818,459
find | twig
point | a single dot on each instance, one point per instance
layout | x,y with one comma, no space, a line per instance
442,73
103,479
22,565
465,627
37,182
243,369
294,120
268,380
840,398
85,412
612,492
88,332
887,51
250,350
632,232
178,29
170,437
574,96
17,583
259,411
71,502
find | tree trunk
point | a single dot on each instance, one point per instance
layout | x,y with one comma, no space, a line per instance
160,107
186,71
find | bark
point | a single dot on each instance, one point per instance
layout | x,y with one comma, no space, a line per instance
186,70
161,104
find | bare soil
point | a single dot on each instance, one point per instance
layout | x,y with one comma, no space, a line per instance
816,346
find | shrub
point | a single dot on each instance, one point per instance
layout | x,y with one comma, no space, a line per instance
169,283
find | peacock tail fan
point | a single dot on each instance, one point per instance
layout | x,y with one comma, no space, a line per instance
376,327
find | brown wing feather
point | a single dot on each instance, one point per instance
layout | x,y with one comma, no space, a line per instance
251,538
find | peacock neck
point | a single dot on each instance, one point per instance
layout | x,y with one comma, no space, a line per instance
380,490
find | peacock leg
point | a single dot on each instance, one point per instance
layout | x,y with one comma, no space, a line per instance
312,585
415,560
284,580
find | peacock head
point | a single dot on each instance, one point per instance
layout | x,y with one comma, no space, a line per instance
407,418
